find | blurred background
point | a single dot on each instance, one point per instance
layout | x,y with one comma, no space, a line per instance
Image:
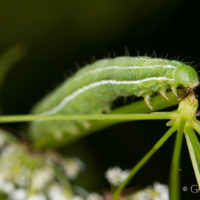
62,36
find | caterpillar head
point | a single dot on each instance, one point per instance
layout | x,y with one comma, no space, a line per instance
186,76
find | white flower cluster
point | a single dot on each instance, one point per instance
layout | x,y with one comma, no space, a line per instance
72,167
14,193
41,181
26,176
21,194
54,192
30,177
116,175
42,177
162,191
94,196
157,192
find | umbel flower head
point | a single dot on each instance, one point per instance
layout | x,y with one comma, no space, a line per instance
156,192
116,175
29,175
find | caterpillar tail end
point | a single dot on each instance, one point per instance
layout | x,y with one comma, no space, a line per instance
147,101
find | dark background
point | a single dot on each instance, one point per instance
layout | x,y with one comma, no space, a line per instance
61,36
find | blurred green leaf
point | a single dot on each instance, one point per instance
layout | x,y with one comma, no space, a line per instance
8,59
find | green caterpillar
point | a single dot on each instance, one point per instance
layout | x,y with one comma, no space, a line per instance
93,89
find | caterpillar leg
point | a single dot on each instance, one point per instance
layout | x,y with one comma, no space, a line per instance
147,101
174,91
163,94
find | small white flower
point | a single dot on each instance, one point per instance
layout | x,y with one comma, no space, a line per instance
162,191
77,198
19,194
9,150
56,193
143,195
94,196
157,192
6,186
72,167
37,197
41,177
116,176
23,178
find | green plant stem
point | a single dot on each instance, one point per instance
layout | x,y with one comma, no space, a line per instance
158,103
142,162
174,173
121,117
194,150
196,125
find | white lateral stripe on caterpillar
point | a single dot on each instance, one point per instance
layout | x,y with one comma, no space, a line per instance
96,84
122,68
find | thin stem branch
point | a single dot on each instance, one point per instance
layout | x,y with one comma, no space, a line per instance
174,173
194,150
120,117
196,125
143,161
